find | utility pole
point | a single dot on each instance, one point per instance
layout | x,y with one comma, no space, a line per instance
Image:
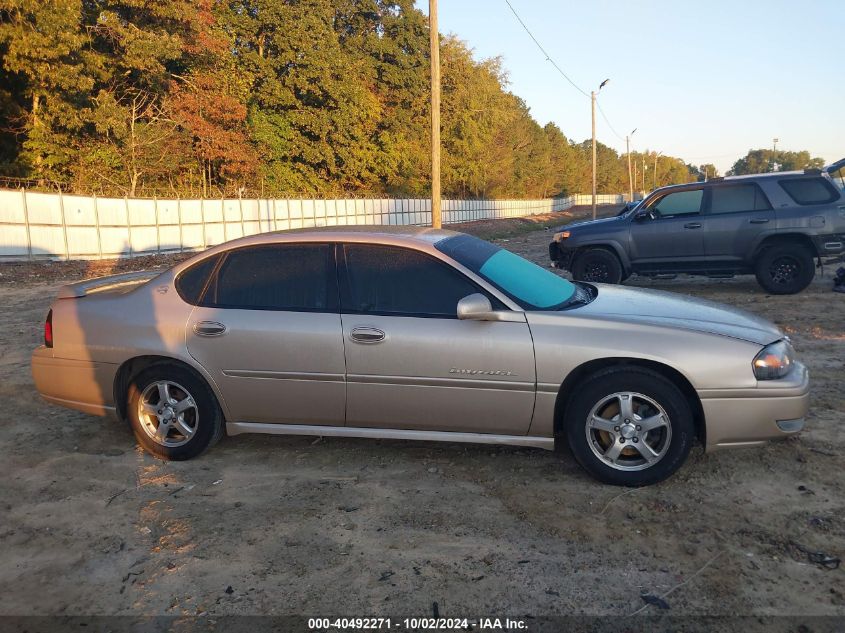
593,103
655,168
775,153
630,176
434,43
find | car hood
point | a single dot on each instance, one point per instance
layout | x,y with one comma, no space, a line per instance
599,222
668,309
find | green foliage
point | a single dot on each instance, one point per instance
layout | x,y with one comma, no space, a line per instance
759,161
307,97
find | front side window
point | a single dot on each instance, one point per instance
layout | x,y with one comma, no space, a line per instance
679,203
532,287
738,198
290,277
403,282
807,191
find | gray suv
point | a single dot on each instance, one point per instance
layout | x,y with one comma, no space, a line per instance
775,226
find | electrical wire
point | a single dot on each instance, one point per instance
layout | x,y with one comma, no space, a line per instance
543,50
606,120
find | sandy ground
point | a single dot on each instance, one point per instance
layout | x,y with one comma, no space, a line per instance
284,525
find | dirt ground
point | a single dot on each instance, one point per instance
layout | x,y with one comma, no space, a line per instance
292,525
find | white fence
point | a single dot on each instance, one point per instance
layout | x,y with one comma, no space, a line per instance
56,226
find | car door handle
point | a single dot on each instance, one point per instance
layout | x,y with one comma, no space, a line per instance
367,335
758,221
209,328
692,225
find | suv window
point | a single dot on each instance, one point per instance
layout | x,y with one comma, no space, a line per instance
292,277
400,281
191,282
679,203
738,198
809,190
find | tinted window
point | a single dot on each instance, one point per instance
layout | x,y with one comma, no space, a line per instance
390,280
191,282
296,277
738,198
679,203
809,190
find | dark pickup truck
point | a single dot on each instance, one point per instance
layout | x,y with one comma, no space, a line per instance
776,226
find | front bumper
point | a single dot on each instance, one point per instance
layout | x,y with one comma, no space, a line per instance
76,384
742,417
561,257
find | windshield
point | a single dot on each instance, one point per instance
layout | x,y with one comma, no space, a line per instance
532,287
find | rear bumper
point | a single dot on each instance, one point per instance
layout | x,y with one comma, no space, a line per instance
829,245
76,384
742,417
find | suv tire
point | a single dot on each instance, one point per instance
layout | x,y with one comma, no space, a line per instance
785,269
597,265
657,436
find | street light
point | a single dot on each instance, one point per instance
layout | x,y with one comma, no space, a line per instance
630,174
593,102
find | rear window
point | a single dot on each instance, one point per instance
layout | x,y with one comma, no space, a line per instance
191,282
810,190
289,277
738,198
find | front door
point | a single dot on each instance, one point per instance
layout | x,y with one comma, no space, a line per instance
412,364
268,330
672,235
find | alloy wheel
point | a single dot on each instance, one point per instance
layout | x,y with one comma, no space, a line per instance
168,413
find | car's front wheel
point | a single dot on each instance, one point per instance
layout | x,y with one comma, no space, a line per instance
173,413
597,265
629,426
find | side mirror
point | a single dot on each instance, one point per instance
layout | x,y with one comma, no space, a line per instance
643,214
475,306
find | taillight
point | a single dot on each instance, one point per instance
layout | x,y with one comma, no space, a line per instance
48,330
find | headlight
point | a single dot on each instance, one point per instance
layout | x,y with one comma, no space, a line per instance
561,236
774,361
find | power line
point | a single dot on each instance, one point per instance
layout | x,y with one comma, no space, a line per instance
604,116
543,50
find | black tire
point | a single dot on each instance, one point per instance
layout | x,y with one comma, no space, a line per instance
785,269
202,417
597,265
653,397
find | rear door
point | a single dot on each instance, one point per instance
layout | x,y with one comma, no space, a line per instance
412,364
268,330
737,217
672,237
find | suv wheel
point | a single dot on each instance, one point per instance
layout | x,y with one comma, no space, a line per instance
784,269
597,265
629,426
173,413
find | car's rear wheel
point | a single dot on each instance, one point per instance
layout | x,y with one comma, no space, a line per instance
173,413
629,426
785,269
597,265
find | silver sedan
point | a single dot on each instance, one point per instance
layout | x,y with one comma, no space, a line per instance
416,334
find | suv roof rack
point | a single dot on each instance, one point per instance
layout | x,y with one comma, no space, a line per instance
813,171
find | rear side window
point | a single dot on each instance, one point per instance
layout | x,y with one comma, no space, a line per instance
400,281
738,198
809,190
679,203
191,282
291,277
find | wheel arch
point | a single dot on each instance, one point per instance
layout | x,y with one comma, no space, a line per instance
133,366
583,371
611,246
768,241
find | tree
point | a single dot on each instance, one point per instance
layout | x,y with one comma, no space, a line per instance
758,161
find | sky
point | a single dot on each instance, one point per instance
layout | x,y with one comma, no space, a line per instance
704,81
